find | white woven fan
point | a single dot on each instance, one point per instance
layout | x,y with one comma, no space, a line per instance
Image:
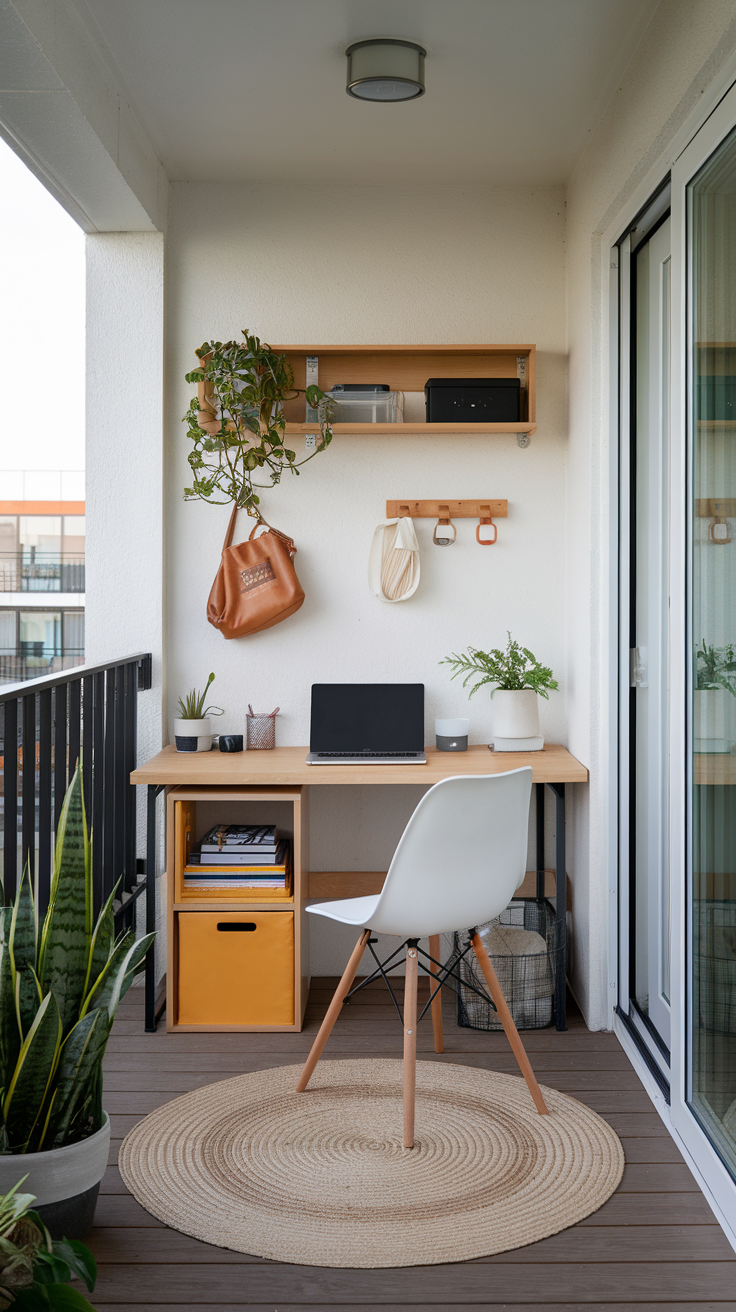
393,563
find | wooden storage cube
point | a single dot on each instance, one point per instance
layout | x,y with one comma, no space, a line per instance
235,968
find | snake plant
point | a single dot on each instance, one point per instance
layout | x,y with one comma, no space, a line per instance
58,997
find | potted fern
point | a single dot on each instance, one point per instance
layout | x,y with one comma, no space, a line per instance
192,728
59,992
518,680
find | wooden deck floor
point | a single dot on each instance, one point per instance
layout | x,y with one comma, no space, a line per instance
653,1245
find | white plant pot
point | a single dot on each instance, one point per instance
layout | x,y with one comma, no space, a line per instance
193,735
65,1181
515,714
709,719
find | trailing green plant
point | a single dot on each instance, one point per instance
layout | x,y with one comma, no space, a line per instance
192,706
58,996
715,667
34,1269
511,670
236,422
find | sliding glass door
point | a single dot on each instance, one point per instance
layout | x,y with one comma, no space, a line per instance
645,272
711,886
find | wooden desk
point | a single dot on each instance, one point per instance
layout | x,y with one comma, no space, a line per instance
285,767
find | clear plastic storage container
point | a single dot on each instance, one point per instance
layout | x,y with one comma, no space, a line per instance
358,406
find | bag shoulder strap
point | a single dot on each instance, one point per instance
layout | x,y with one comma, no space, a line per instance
262,523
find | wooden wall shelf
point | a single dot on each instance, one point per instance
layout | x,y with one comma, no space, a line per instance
406,369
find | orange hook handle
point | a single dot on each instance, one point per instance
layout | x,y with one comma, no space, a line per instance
485,518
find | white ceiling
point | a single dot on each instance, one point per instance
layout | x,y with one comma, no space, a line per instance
254,90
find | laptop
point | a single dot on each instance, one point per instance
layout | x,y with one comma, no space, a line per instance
367,724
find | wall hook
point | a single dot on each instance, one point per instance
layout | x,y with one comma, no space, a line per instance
485,518
718,532
444,521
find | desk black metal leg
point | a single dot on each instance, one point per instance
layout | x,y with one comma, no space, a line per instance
150,1001
561,903
540,841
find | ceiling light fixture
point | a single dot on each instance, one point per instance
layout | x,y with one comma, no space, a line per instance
385,69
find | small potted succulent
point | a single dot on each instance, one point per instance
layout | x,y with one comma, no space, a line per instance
715,676
59,992
192,728
518,680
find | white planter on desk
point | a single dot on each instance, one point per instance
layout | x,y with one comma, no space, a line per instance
709,720
193,735
516,721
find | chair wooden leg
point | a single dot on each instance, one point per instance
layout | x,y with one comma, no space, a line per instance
507,1020
436,1008
410,1043
333,1011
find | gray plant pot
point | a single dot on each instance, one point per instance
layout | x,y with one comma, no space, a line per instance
65,1181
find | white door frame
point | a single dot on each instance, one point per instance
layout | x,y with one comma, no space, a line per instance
695,140
708,138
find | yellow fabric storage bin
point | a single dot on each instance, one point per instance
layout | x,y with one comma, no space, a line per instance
236,968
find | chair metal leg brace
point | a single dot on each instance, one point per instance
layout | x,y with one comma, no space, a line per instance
436,1003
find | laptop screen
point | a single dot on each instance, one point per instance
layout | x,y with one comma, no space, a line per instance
374,717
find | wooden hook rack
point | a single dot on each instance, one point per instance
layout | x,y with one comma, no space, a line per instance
481,509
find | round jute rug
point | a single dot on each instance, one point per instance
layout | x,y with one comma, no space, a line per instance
321,1178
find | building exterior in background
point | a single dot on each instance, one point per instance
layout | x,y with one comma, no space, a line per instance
42,575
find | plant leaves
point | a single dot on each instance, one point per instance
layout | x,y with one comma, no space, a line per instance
80,1058
117,977
79,1259
10,1039
102,942
23,926
28,998
33,1075
67,927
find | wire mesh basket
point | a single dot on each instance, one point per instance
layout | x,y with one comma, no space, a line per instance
522,945
714,935
260,732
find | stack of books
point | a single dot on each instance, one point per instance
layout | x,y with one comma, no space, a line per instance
239,858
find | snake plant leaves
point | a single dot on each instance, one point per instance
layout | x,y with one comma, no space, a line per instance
81,1052
23,925
101,944
28,996
10,1039
117,977
32,1076
64,942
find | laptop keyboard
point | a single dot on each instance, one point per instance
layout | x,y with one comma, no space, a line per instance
367,755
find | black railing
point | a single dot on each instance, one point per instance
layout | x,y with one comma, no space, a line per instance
30,570
46,726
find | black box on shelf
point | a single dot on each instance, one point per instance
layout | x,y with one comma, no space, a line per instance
473,400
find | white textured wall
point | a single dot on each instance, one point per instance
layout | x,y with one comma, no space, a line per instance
681,52
372,264
124,466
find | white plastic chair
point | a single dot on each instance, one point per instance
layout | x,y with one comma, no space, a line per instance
458,864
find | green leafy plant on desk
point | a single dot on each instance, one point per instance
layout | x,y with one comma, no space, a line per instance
34,1269
715,668
511,670
236,422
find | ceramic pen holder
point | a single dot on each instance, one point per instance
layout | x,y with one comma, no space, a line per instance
452,735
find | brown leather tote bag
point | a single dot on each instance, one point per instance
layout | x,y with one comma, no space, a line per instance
256,585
